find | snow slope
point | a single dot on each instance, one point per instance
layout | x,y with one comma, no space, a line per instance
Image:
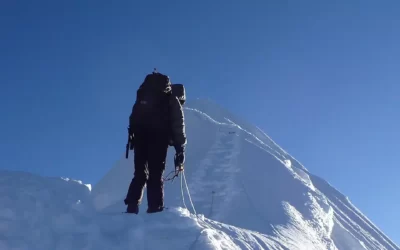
247,191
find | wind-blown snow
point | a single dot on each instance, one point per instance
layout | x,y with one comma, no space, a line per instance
247,191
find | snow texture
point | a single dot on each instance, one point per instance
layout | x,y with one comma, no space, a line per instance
247,191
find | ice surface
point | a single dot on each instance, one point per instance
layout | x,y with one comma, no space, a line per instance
247,191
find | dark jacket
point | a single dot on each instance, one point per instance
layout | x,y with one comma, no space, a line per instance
177,124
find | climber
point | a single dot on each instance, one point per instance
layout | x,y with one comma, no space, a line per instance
156,122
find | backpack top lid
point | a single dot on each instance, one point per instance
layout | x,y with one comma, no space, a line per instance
178,90
156,82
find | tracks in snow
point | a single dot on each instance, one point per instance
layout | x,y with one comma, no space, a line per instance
213,197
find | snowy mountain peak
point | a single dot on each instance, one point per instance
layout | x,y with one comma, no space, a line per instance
247,193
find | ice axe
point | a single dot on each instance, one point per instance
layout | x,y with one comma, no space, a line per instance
129,144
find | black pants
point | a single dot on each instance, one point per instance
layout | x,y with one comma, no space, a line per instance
150,156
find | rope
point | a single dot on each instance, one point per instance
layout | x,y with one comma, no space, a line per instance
187,188
206,225
183,200
183,196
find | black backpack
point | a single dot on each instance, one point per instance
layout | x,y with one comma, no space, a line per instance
150,110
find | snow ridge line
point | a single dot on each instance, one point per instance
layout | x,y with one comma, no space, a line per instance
343,217
298,172
280,148
353,228
369,223
274,144
258,140
231,123
205,115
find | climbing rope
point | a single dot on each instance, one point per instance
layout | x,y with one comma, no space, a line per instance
183,180
205,223
187,188
183,196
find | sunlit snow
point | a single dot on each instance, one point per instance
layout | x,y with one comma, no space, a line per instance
247,191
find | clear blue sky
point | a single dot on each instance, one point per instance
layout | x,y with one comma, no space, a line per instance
320,77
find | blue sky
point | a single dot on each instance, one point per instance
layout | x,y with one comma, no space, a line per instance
321,78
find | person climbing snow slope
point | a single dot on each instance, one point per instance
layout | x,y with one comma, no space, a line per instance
157,121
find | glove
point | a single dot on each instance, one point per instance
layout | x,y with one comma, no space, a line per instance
179,160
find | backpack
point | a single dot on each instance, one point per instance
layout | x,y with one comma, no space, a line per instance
150,110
